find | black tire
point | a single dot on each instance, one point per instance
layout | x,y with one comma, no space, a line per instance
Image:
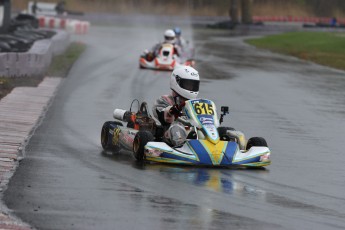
222,133
28,19
140,140
105,142
256,141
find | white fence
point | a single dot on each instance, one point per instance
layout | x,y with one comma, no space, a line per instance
42,8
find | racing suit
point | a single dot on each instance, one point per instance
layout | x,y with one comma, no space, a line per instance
155,51
174,132
181,42
161,109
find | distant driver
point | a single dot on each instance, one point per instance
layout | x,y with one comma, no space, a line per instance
169,38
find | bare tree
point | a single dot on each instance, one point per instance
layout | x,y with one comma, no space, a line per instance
233,11
6,17
246,9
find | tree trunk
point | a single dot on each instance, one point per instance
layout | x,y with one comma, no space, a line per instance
6,19
233,11
247,6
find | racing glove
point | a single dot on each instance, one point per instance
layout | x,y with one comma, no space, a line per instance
174,110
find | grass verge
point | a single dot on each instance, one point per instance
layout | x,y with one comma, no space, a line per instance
59,67
320,47
61,64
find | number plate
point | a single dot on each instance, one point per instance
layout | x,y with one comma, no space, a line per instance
203,107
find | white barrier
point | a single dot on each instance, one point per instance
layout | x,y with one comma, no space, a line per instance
42,8
36,60
61,40
77,27
71,25
1,15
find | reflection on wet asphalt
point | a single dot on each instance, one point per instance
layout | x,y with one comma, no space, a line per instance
219,180
182,215
68,182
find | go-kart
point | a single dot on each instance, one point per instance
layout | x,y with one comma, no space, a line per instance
165,60
207,142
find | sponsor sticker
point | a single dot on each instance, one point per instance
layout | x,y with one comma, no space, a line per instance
206,120
265,157
116,136
128,139
153,152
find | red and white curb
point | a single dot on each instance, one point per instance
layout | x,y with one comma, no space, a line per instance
20,113
71,25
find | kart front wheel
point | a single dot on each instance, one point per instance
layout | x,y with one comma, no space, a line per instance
223,133
140,140
256,141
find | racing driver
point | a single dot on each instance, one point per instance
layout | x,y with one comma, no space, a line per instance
180,41
184,83
169,38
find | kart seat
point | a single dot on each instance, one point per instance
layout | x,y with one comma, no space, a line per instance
142,120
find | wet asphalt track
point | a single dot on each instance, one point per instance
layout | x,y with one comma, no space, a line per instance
67,182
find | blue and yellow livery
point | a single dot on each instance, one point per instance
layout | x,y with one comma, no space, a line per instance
208,149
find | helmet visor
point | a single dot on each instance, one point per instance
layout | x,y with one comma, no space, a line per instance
169,38
191,85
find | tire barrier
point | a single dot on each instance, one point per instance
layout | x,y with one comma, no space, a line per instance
71,25
16,127
37,60
325,20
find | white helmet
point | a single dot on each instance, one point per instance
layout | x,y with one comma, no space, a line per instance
169,36
185,82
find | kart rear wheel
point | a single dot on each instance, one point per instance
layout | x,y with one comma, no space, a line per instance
105,136
256,141
222,133
140,140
